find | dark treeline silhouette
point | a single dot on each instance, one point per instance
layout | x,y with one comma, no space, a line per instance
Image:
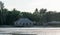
42,16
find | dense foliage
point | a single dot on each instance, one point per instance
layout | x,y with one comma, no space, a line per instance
42,16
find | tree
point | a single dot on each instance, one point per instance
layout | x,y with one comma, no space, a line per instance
12,16
42,11
3,15
36,12
42,15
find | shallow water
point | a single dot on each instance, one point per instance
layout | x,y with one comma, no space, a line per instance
37,31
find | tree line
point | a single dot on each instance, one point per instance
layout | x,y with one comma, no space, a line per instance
42,16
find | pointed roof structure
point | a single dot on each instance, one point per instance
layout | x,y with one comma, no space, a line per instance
24,20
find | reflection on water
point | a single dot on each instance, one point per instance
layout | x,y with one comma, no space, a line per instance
29,31
23,34
17,34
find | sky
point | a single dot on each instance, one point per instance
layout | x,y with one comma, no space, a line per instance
31,5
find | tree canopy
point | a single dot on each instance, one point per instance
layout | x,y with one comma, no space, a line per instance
42,16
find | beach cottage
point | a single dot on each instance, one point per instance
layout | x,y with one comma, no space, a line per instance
23,22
